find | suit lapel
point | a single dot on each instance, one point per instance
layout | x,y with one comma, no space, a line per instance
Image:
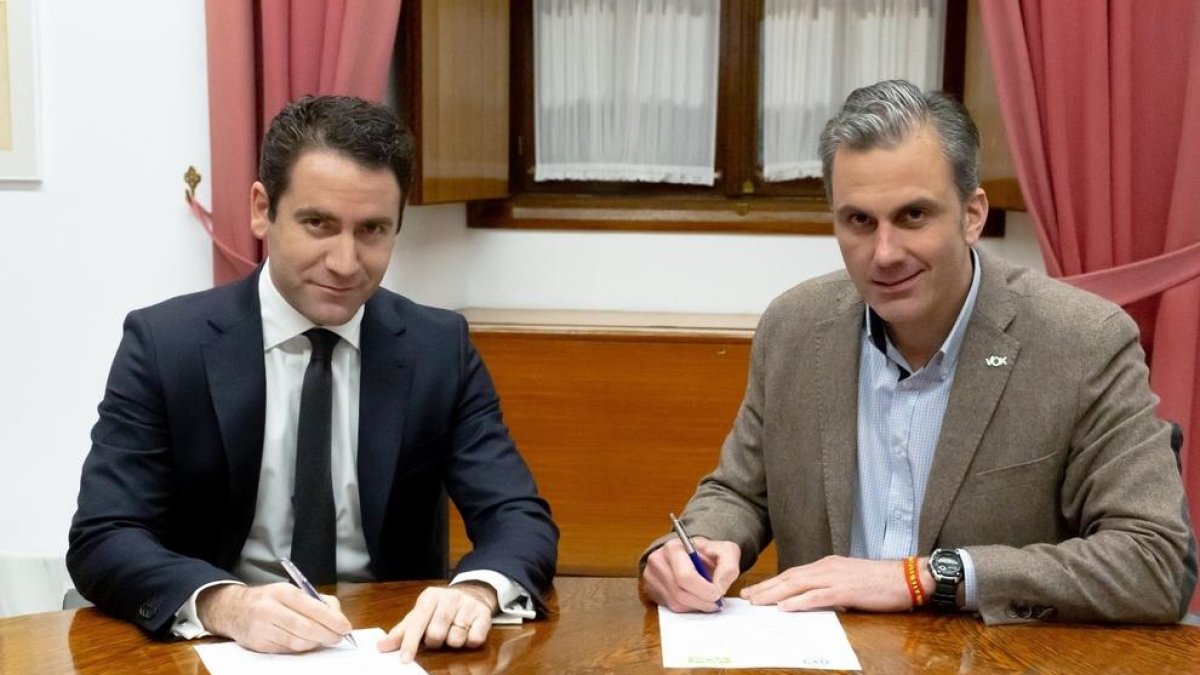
837,376
233,362
973,396
383,402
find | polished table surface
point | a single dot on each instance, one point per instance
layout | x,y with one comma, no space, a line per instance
599,625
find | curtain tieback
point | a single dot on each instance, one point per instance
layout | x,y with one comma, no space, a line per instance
1126,284
192,178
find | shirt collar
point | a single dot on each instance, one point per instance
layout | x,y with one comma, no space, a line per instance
877,332
281,322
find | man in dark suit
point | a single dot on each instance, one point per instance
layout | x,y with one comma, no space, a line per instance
932,425
304,412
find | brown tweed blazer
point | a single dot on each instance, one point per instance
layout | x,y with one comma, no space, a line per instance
1051,470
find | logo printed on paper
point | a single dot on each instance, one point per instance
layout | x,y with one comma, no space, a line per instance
709,660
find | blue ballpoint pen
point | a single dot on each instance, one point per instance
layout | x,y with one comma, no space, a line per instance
691,551
300,580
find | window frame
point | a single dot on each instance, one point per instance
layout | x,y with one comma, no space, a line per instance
739,201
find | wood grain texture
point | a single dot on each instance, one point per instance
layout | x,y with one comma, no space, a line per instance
602,626
617,429
997,171
453,77
652,214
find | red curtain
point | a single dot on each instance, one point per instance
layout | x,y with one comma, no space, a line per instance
261,55
1101,102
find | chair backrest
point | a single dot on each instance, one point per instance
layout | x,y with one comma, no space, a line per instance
1177,444
73,600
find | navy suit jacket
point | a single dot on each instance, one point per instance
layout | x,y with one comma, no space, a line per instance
168,491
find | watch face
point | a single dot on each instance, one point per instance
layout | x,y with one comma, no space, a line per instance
947,564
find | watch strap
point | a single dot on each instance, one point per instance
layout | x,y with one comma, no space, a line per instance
945,592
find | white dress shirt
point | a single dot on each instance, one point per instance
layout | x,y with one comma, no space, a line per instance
286,353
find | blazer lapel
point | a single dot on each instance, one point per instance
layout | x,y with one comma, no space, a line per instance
233,361
383,403
837,376
984,364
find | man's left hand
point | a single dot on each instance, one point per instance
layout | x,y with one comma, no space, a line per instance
837,582
451,616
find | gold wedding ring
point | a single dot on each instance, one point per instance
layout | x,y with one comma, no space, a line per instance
464,626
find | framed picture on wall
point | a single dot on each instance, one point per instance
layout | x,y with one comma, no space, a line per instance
18,92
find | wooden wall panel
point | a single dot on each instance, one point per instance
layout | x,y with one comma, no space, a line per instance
997,172
453,89
617,429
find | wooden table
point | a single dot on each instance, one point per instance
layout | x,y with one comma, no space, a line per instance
601,626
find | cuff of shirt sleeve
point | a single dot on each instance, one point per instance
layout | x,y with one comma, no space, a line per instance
187,619
970,589
516,604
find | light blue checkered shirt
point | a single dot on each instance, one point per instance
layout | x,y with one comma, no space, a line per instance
899,420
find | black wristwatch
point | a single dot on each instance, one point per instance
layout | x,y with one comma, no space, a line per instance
946,566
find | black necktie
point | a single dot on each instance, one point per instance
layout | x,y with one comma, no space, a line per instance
314,532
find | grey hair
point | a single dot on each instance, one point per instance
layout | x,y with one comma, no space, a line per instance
884,114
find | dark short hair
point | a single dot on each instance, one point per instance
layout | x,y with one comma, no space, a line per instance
884,114
368,133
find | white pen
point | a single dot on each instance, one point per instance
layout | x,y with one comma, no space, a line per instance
300,580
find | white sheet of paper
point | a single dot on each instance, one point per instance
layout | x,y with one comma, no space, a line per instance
227,658
748,636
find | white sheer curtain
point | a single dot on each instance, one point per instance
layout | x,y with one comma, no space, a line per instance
815,52
626,90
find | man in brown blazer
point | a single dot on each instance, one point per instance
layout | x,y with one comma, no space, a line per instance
933,425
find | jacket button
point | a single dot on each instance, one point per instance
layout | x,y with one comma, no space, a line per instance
147,610
1018,611
1043,612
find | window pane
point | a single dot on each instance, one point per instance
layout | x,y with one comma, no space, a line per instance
626,90
815,52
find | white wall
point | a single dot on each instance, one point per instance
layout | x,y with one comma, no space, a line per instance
439,261
124,112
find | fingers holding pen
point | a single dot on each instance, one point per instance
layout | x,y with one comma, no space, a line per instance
724,559
671,579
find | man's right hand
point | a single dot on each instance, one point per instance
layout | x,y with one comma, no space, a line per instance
276,618
670,579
